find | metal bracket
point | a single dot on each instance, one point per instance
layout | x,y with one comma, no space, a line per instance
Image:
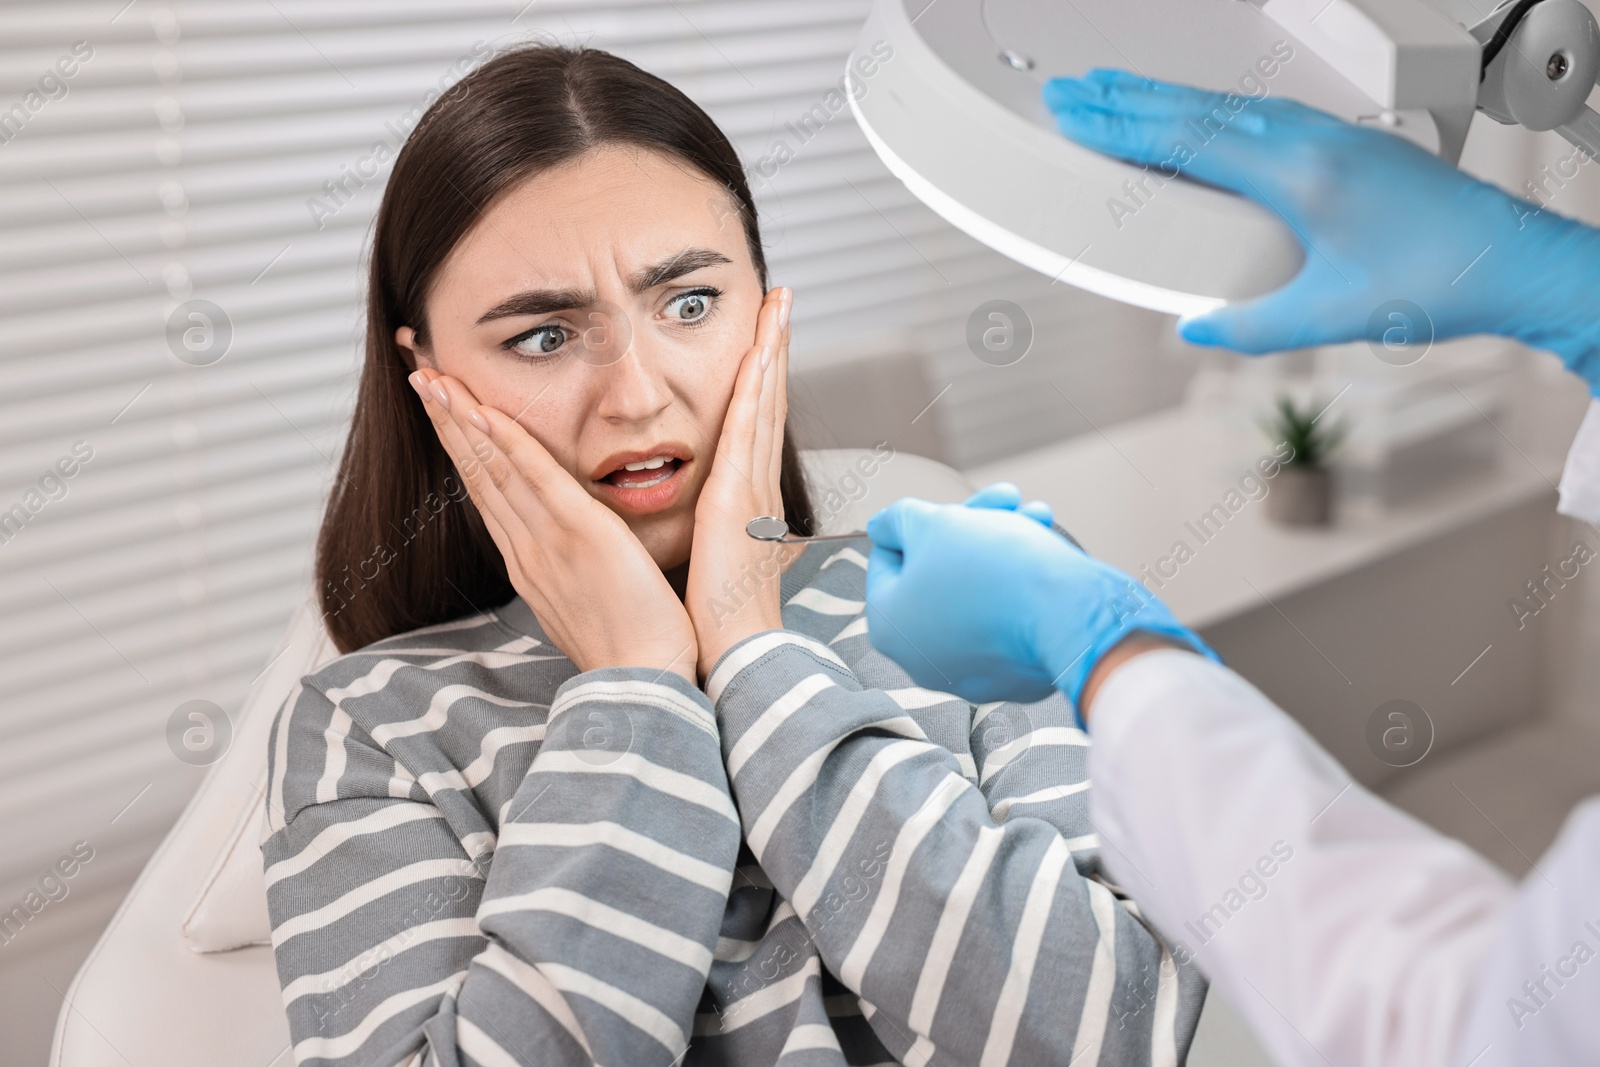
1541,61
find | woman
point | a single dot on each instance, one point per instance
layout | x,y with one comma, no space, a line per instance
600,779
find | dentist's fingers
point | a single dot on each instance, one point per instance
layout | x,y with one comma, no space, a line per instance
1154,124
1133,94
891,528
1040,511
1287,318
998,495
1006,496
883,572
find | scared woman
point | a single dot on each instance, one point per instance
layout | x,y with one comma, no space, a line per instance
600,779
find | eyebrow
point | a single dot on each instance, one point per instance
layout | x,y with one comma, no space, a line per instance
544,301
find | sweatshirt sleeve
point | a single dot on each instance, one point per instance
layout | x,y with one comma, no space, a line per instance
583,934
968,937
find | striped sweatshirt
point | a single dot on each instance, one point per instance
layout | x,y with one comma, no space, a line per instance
476,854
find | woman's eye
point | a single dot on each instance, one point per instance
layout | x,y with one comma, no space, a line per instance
692,307
540,342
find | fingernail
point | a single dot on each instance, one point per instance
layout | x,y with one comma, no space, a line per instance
476,418
783,307
416,380
441,395
766,356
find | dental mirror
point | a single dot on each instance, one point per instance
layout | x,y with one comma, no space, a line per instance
772,528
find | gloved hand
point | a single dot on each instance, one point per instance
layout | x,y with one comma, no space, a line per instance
991,604
1382,220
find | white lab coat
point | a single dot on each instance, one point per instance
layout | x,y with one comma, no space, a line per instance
1347,933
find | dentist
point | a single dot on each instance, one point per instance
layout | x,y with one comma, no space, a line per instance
1377,942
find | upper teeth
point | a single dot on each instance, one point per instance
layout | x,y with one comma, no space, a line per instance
646,465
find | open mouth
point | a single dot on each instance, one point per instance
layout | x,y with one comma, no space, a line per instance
644,482
644,474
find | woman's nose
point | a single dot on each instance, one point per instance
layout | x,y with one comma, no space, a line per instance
633,388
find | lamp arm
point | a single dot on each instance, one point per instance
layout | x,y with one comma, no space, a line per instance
1409,56
1584,132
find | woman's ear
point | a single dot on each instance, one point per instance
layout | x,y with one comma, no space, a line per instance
415,355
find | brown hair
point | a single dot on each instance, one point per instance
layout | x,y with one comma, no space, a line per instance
401,544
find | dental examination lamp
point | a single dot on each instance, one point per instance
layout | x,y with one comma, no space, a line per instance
956,114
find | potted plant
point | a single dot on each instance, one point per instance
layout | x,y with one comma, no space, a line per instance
1303,495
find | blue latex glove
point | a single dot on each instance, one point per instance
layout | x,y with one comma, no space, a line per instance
989,603
1006,495
1381,220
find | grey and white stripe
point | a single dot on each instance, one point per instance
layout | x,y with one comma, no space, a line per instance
477,854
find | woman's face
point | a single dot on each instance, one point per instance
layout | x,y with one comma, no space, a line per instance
606,305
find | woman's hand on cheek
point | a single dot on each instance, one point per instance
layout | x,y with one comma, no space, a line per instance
599,596
734,579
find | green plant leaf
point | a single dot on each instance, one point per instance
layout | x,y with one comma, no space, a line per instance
1302,429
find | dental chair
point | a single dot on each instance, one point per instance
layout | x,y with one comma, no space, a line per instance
183,975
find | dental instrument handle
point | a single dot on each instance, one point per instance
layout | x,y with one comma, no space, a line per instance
771,528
